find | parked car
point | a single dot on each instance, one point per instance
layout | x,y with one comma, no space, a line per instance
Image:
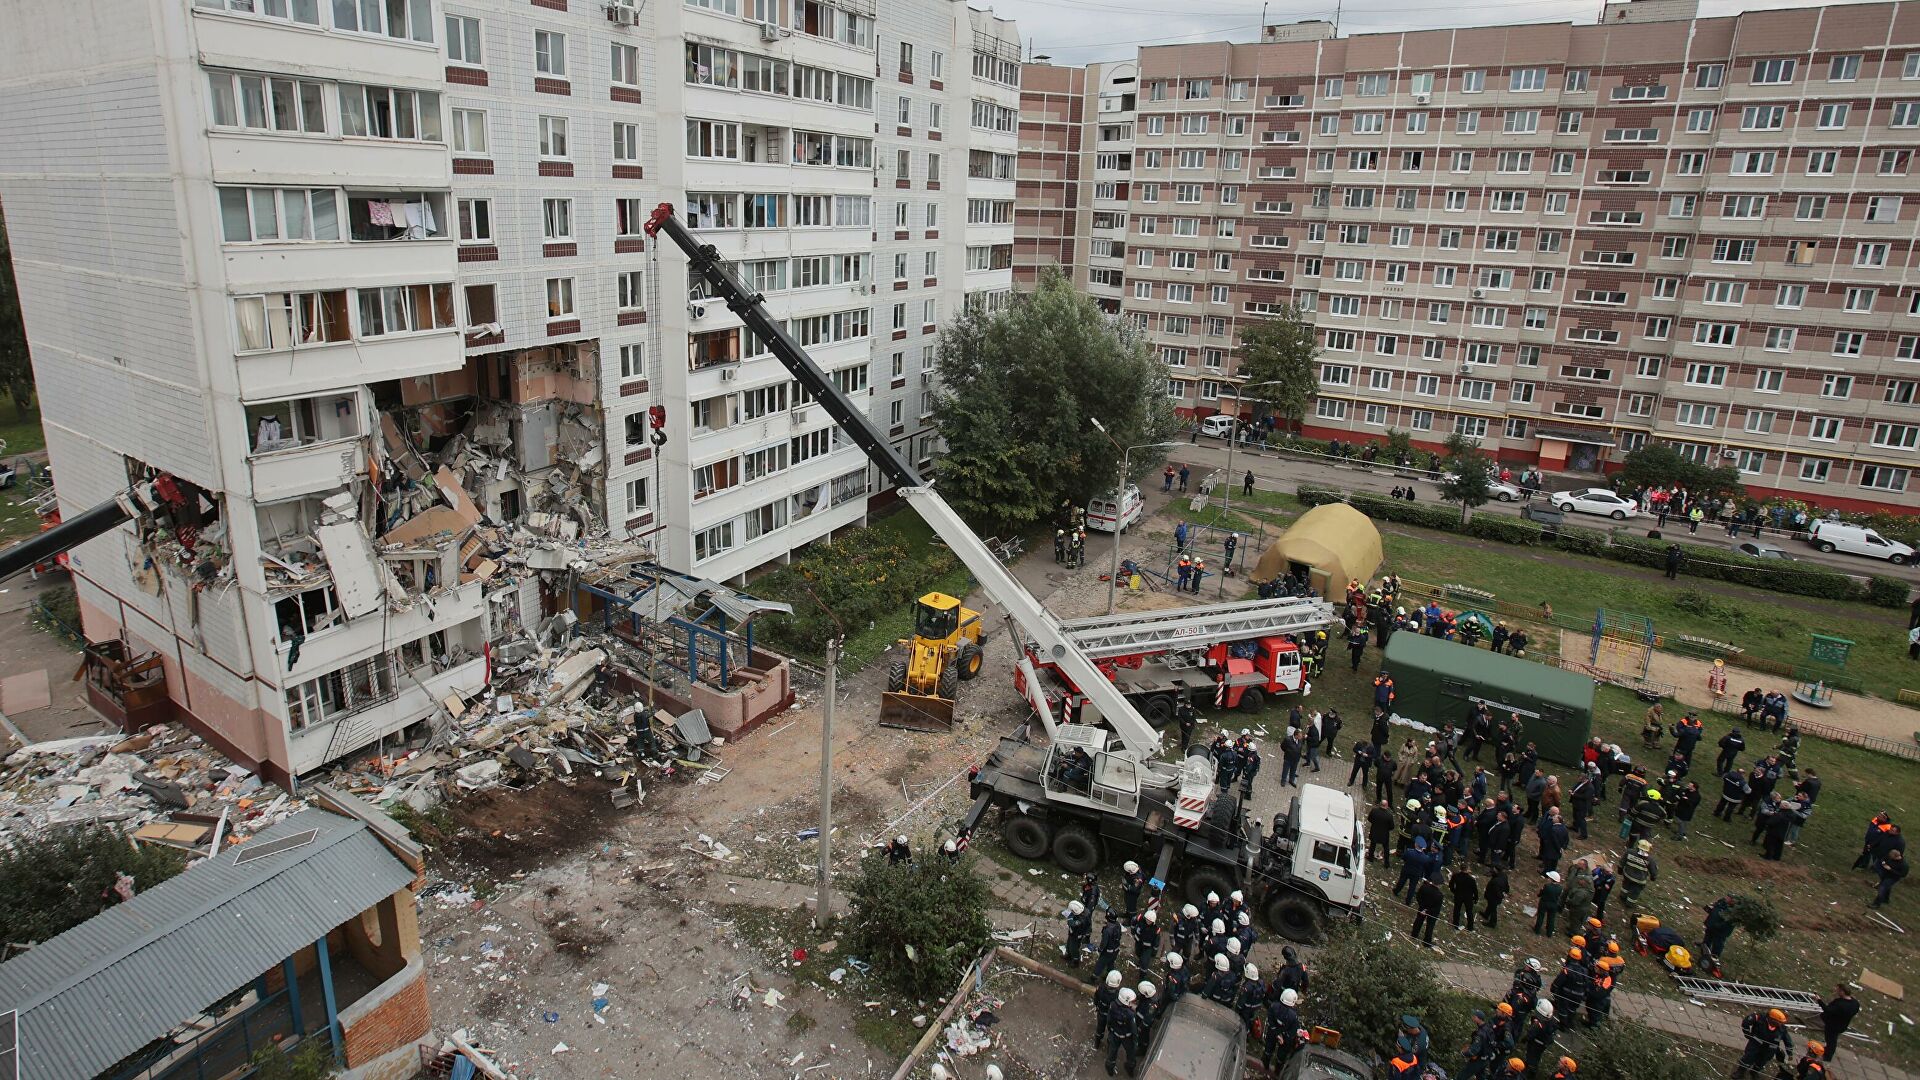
1500,492
1857,540
1761,551
1197,1039
1596,501
1316,1062
1217,426
1101,513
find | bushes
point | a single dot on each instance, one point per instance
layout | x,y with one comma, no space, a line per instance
1714,564
1310,495
860,576
920,923
1504,529
1425,515
61,878
1363,985
1581,541
1886,592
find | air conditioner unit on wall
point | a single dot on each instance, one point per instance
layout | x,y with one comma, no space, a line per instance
769,32
728,374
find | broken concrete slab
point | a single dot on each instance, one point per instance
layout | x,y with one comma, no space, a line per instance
356,581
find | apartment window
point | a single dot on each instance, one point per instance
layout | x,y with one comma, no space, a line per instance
1790,297
1832,116
404,309
1706,374
263,103
1883,208
556,217
632,296
1769,380
463,39
1691,163
1861,299
1825,429
476,220
1839,387
1815,470
559,297
1772,72
1521,121
1823,162
1666,288
1695,414
1894,162
1562,162
1870,255
1849,343
1332,87
624,65
1781,338
1883,478
251,215
1466,123
1570,123
1649,367
1763,118
1810,208
1709,76
550,53
553,136
413,21
1699,120
1743,206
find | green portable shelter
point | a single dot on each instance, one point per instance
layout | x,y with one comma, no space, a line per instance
1437,682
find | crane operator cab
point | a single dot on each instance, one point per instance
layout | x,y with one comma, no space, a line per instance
1082,770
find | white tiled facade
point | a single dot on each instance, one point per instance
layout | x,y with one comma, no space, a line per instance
173,174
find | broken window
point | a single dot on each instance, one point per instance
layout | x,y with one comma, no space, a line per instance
483,308
289,320
718,476
413,215
351,689
280,425
403,309
306,613
713,347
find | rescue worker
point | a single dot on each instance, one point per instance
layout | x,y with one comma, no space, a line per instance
1222,985
1490,1042
1123,1023
1184,715
1599,1000
1103,1000
1236,958
1146,938
1245,932
1217,937
1249,767
1637,870
1569,988
1293,971
1768,1040
1427,898
1109,959
1176,978
1525,989
1647,815
898,852
1131,882
1253,996
1412,1042
1186,930
1567,1068
1812,1063
1283,1029
1357,644
1059,545
1603,882
1148,1006
1576,903
1079,932
1466,894
1538,1034
1547,908
1183,572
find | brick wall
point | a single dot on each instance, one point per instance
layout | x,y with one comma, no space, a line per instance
403,1017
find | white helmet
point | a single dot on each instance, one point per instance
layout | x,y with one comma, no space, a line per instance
1533,963
994,1073
1126,995
1253,973
938,1072
1220,962
1152,916
1113,978
1213,898
1233,946
1289,997
1146,989
1543,1007
1175,961
1076,907
1236,897
1254,746
1190,912
1246,732
901,839
1246,919
1130,866
1219,927
949,846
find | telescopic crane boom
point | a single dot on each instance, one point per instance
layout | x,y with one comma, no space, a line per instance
1052,643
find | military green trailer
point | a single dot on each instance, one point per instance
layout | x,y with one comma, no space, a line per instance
1438,682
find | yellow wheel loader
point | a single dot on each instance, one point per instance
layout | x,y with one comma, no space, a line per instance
944,649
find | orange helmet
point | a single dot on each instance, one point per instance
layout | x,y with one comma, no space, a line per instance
1579,942
1595,923
1569,1066
1613,948
1516,1066
1573,954
1503,1009
1776,1016
1815,1047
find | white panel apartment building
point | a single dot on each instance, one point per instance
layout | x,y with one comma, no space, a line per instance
272,249
229,227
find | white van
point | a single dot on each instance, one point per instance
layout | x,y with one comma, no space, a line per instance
1857,540
1101,514
1217,426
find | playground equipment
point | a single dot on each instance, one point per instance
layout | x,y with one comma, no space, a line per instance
1621,642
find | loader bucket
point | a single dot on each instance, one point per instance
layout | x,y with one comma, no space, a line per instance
916,712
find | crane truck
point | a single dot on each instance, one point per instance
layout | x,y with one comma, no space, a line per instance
1090,794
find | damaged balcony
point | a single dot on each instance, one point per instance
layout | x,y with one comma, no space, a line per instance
340,710
303,445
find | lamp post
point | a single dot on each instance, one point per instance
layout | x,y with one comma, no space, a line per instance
1119,505
1233,438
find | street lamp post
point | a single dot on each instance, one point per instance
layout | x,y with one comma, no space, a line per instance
1119,505
1233,438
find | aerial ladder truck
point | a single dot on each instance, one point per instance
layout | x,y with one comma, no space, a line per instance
1089,793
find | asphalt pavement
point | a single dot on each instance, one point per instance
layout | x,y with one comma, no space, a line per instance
1275,471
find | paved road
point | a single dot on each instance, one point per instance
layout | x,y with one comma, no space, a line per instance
1285,472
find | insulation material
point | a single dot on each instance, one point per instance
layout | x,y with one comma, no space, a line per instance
537,435
456,495
350,559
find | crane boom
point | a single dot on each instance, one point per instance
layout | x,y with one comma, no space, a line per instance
1000,586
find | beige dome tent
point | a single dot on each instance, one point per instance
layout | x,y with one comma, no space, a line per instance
1335,542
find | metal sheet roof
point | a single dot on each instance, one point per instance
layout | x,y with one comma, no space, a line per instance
1490,671
131,974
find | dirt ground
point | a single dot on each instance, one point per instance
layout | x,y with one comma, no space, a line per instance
1867,715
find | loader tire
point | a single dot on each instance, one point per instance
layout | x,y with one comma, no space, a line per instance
949,683
896,676
971,661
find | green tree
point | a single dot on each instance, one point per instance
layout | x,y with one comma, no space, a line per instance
1659,465
1280,353
1364,983
1398,442
1018,389
1464,474
920,923
312,1059
59,879
16,369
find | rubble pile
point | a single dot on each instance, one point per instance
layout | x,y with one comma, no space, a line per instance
163,786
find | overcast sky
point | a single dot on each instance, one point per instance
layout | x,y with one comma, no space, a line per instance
1082,31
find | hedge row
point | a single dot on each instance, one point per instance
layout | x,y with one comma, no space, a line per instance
1778,575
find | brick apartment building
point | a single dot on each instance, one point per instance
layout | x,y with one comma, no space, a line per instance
1563,240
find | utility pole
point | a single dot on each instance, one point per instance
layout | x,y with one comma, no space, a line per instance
823,907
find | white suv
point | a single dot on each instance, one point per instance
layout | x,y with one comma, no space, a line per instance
1857,540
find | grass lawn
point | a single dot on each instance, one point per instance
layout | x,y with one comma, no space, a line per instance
21,431
1764,624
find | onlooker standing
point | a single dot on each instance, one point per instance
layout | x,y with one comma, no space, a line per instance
1891,869
1836,1017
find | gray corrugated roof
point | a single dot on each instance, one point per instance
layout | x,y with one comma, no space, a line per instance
131,974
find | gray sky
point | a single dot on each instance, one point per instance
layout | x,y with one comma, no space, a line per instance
1080,31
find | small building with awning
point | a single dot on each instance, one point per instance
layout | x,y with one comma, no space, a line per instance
1333,543
305,931
1573,449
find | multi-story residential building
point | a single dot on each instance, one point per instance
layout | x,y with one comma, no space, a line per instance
1076,168
232,230
1562,240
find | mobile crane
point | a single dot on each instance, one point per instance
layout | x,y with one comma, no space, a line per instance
1083,797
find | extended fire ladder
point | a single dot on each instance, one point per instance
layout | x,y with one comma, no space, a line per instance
1762,997
1180,630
